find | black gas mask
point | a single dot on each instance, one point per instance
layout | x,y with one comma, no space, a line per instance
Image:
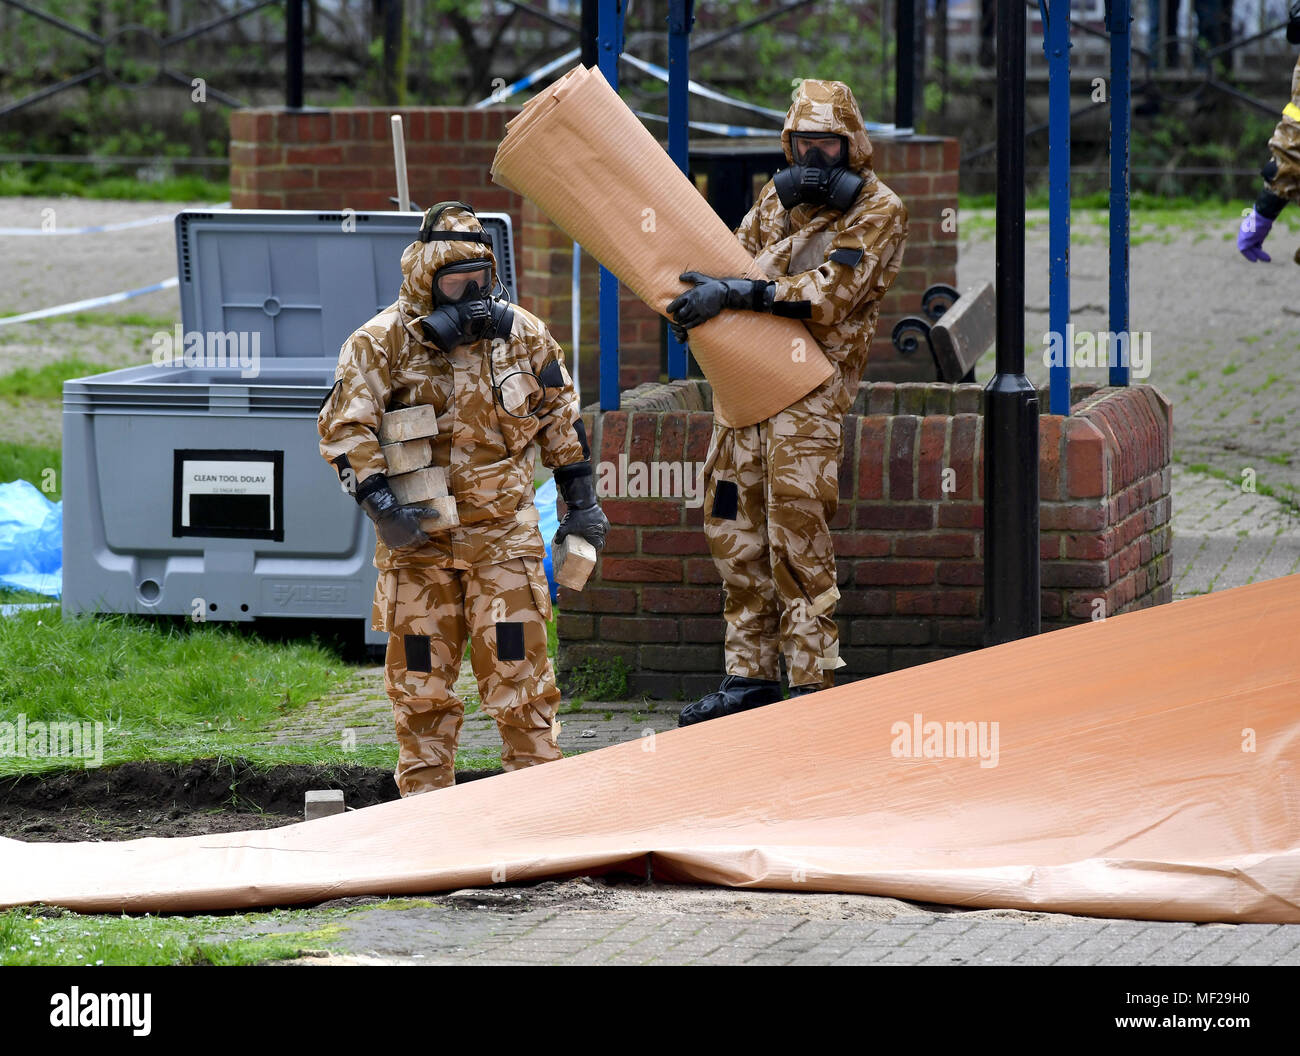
1293,24
819,174
464,310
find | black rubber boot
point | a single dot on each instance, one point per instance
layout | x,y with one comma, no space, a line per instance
736,694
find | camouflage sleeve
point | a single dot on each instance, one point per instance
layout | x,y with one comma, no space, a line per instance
561,435
349,416
856,261
749,233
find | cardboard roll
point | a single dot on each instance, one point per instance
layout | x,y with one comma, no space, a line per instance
581,156
408,423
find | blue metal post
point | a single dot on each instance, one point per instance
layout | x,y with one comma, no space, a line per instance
610,39
1118,21
681,16
1056,45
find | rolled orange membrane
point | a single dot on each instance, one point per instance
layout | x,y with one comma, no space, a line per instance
1155,777
588,163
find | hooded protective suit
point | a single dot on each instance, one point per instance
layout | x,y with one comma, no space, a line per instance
773,487
484,576
1285,147
1281,173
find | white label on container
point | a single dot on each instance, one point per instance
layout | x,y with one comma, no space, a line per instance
227,478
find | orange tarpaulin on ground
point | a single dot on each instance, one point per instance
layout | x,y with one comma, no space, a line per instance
1143,766
586,160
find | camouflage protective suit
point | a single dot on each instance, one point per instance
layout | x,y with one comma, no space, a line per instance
484,578
1282,174
773,487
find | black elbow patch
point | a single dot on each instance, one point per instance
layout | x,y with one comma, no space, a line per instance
851,257
510,641
793,309
1269,171
580,428
552,375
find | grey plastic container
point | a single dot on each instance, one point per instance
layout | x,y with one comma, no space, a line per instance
199,489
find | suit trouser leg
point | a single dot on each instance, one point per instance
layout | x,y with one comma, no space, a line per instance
507,606
803,454
735,525
426,642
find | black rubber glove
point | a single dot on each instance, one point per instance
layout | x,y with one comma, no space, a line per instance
397,526
710,296
679,332
584,516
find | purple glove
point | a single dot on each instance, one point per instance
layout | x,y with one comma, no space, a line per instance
1250,238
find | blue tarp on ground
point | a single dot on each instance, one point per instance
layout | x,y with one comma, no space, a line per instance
547,521
31,540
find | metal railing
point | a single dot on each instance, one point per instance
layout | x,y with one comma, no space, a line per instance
154,41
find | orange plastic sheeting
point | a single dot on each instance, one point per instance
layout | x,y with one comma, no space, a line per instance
589,164
1144,766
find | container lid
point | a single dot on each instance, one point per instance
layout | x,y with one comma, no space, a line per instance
303,280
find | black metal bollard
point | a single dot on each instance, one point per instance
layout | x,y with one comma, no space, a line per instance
293,54
1011,563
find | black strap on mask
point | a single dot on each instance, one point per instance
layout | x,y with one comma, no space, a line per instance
427,234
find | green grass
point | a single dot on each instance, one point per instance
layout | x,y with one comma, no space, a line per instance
151,322
17,180
163,691
47,935
50,935
29,462
1150,215
23,597
1140,202
46,382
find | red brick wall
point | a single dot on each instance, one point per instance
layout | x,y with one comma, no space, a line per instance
343,158
909,539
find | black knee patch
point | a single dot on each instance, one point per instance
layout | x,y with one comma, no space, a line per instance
417,652
510,641
726,500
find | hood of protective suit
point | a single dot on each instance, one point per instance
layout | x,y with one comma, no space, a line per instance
828,106
422,260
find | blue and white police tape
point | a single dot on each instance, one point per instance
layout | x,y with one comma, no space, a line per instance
97,229
93,302
705,92
713,127
505,92
659,73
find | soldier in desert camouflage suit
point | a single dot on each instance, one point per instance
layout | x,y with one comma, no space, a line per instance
1282,173
829,235
484,578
